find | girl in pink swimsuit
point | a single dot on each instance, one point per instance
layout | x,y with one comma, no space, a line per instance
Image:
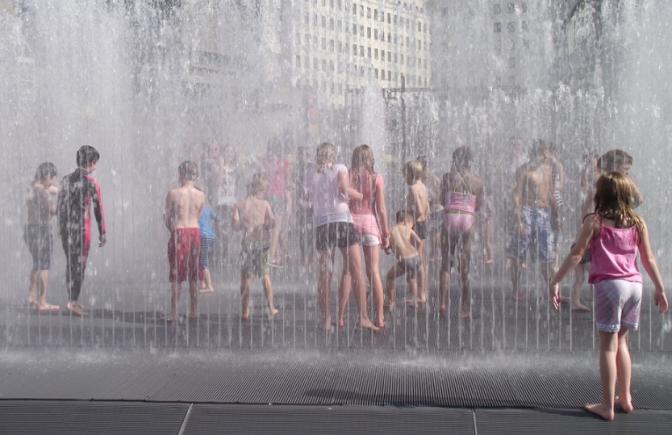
462,196
614,235
369,217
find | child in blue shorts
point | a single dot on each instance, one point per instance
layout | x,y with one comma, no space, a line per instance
206,227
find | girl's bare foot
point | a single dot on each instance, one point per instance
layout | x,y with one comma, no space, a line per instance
75,309
626,404
410,302
327,326
465,315
47,308
578,306
274,312
367,324
206,290
380,323
601,410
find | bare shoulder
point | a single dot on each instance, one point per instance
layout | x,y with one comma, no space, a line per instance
592,220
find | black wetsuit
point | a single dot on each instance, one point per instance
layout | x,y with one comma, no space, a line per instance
78,191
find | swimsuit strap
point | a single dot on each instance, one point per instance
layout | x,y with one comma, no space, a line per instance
464,184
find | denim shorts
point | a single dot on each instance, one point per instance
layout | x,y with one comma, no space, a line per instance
536,237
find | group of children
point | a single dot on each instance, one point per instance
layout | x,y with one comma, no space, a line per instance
349,212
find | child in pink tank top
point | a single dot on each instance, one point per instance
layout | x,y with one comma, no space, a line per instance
614,235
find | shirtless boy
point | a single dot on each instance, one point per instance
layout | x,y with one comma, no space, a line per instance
41,207
254,217
417,202
532,216
183,207
403,243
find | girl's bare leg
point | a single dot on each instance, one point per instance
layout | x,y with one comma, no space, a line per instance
352,259
624,371
391,291
372,259
42,280
344,289
465,259
323,284
608,351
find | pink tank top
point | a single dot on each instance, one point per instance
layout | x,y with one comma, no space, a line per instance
465,202
363,216
613,255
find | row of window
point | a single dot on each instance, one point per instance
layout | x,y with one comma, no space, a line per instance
337,25
329,65
420,45
360,50
339,88
511,26
511,8
391,18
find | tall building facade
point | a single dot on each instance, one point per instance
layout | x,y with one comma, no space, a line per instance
337,47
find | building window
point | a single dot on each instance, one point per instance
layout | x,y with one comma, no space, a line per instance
523,26
361,30
354,49
314,19
511,7
354,29
368,12
375,14
498,27
389,38
389,56
368,32
496,9
324,65
331,23
382,35
375,71
331,45
375,53
375,34
389,18
324,44
401,58
306,19
361,50
316,64
298,61
324,22
382,55
511,26
523,7
368,52
419,26
354,9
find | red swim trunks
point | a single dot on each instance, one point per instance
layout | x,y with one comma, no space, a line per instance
184,249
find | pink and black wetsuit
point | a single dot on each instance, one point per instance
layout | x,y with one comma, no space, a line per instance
78,192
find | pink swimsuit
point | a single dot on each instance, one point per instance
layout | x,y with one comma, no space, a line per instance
363,216
459,209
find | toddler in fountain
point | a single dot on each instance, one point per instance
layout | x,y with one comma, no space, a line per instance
404,242
417,202
254,217
614,235
206,226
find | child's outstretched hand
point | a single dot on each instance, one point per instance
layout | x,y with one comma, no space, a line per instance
661,301
554,295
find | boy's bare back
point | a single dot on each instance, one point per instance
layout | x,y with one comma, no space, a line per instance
418,201
183,207
401,243
254,216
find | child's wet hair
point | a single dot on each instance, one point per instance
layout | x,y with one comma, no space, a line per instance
462,157
45,170
614,194
326,153
413,170
613,159
362,156
86,154
403,216
188,170
259,184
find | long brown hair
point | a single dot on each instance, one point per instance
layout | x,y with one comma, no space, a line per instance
362,157
614,195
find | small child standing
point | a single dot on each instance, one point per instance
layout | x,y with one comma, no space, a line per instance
254,217
403,242
417,202
614,235
206,226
